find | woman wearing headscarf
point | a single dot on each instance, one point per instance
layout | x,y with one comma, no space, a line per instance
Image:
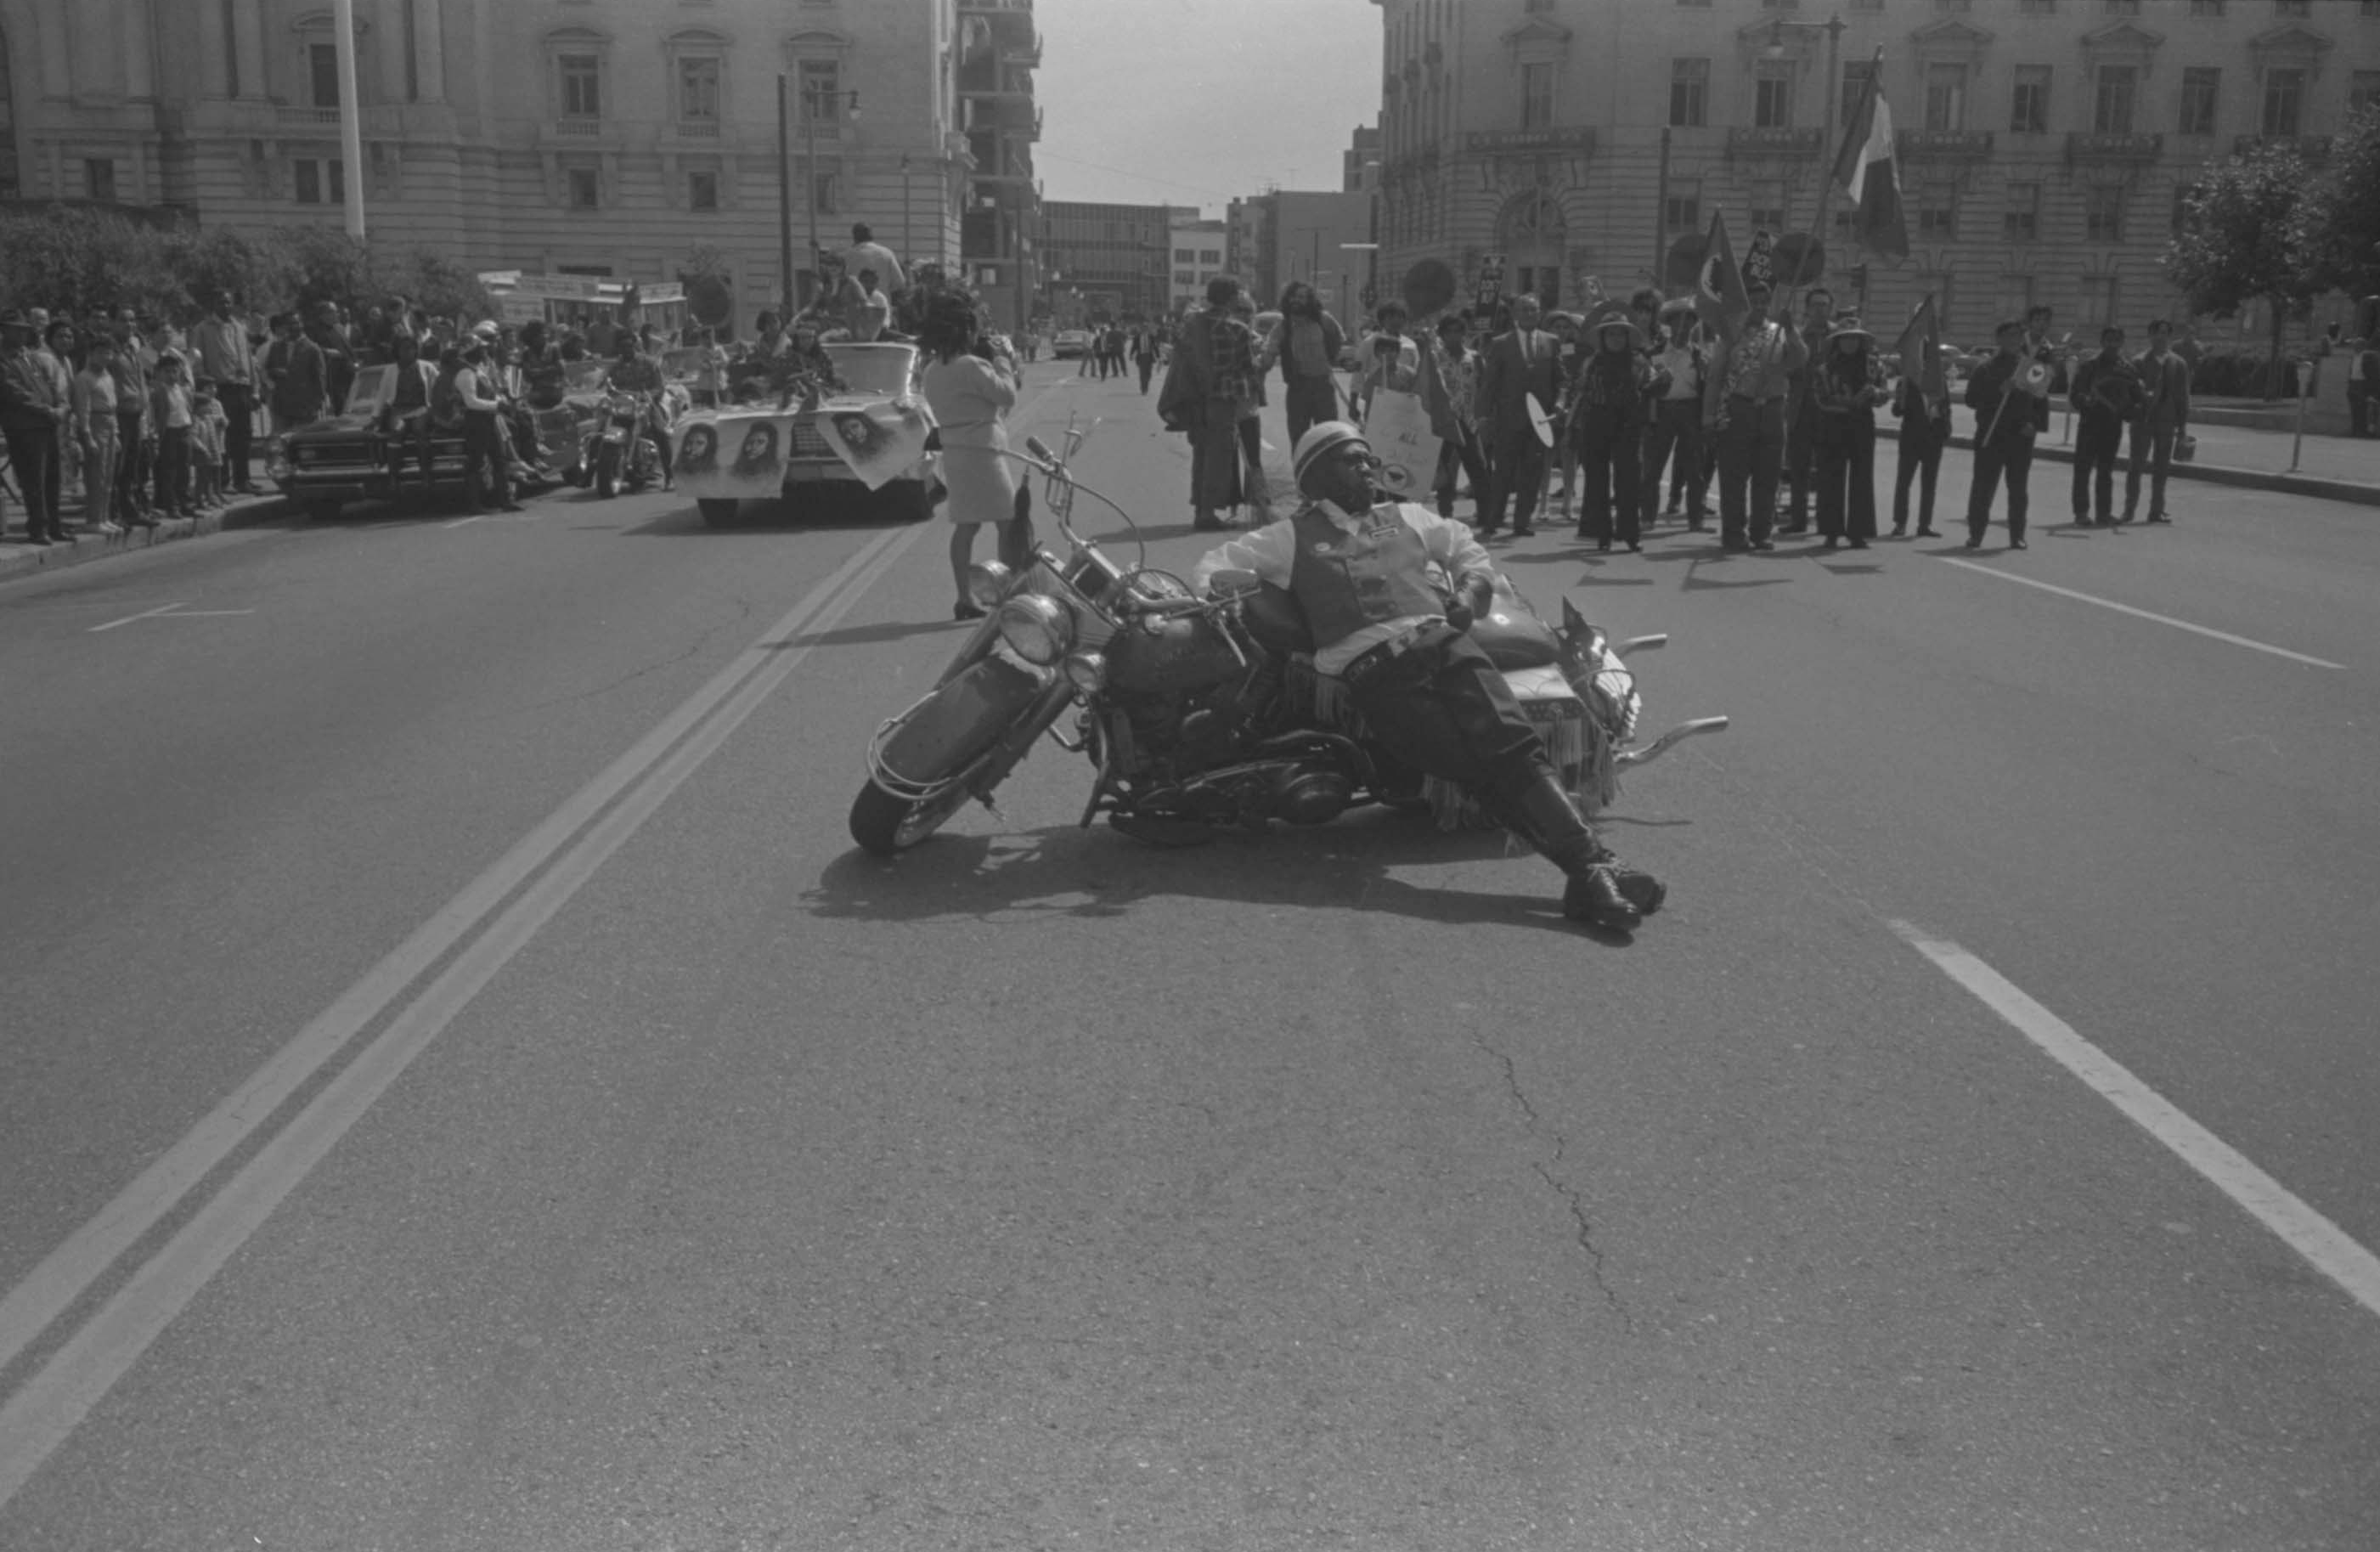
970,392
1846,384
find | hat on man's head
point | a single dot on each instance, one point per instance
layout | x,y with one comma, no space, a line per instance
15,318
1850,327
485,329
1321,438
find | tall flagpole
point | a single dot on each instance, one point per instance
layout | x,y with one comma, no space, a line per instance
351,114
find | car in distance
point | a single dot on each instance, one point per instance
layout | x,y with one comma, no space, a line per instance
1071,342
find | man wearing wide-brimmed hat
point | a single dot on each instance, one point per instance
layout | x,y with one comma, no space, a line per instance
1372,578
29,417
1607,425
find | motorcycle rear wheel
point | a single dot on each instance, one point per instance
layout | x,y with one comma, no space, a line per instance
884,825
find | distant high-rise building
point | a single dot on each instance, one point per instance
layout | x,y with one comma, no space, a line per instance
1106,262
1361,169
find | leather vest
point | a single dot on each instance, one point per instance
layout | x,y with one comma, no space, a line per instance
1345,581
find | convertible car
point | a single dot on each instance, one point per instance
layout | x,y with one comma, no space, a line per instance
864,442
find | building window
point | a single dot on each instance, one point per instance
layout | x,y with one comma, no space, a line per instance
2201,91
698,89
582,85
1536,96
2029,109
1682,212
2038,8
1183,256
1185,277
583,187
1946,97
2123,8
2100,300
1937,284
1867,4
320,183
1689,92
1954,7
1768,206
323,73
826,193
702,192
2292,7
1538,8
2206,7
2103,215
1772,95
1698,5
2362,90
1856,77
821,84
2284,97
1937,213
2022,222
98,178
2111,111
1780,4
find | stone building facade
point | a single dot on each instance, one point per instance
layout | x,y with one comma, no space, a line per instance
607,137
2044,145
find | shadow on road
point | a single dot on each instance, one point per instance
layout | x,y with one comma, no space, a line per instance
767,518
1098,874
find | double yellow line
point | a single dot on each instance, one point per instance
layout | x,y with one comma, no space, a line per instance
474,935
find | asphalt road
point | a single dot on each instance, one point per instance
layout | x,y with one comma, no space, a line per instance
461,1090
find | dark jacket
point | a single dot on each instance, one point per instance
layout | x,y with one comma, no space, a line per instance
1926,425
2023,418
2165,391
2107,392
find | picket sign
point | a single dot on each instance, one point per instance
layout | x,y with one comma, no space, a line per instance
1398,428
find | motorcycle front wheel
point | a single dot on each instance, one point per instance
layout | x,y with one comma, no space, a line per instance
884,825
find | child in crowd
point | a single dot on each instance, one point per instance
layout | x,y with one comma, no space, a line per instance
169,403
209,425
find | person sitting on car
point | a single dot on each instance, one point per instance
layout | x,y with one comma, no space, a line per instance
407,417
1366,573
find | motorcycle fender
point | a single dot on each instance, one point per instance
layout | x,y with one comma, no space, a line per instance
957,726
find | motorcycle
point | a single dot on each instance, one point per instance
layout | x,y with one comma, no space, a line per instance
1197,713
620,449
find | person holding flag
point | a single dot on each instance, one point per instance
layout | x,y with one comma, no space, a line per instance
1746,396
1923,404
2010,395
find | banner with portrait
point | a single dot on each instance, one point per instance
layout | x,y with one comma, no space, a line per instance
733,455
881,441
1398,427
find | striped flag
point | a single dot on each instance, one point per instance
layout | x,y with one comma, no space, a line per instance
1865,169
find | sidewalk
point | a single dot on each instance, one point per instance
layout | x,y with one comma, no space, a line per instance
2333,468
20,559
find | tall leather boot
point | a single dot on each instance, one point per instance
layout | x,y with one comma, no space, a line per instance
1600,890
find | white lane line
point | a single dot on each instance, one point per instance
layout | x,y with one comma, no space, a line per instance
2308,1232
201,613
2143,613
460,522
37,1419
144,614
63,1276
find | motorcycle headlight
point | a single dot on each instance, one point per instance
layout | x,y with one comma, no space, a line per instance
988,583
1036,628
1087,672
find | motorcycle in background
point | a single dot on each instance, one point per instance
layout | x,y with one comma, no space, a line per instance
620,450
1199,712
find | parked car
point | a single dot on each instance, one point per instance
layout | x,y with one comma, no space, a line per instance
1071,342
725,455
345,456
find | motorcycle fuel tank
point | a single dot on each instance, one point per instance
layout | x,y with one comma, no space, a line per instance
1169,656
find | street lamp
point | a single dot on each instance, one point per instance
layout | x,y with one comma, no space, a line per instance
817,103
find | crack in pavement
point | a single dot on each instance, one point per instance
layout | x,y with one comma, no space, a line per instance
1573,1198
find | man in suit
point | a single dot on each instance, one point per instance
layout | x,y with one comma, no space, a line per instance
1515,367
2106,397
2165,418
2008,418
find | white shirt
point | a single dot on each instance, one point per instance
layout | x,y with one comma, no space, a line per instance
1271,553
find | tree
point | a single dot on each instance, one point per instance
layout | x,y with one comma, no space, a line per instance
2246,239
2343,218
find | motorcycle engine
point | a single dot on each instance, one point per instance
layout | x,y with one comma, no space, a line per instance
1311,793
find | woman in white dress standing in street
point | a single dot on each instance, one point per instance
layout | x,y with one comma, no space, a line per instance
970,390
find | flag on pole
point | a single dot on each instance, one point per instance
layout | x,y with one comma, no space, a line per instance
1921,352
1721,303
1865,169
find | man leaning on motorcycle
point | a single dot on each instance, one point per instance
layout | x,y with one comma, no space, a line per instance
1365,573
638,373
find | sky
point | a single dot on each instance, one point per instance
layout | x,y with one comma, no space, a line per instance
1200,101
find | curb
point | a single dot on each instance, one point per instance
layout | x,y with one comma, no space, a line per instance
26,560
2212,473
